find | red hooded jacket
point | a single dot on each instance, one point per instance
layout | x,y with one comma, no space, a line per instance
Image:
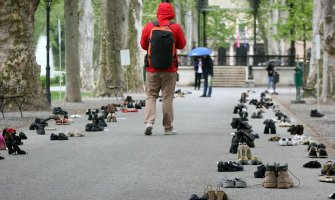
165,13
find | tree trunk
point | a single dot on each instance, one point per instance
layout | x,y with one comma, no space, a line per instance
189,26
86,38
122,22
135,72
73,82
328,17
311,81
17,57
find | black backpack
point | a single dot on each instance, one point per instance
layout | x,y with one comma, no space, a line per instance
162,50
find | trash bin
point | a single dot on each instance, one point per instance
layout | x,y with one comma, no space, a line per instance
298,76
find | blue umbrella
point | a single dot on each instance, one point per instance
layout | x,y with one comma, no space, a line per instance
200,51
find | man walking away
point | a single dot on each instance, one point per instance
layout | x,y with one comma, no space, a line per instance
161,73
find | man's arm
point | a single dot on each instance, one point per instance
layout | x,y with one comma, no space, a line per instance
180,40
145,38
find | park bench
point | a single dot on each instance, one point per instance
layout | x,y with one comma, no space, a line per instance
9,94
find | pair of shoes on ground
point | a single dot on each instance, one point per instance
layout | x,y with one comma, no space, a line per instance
305,140
296,129
317,151
233,183
149,127
63,121
229,166
276,176
210,194
257,116
76,133
287,142
60,136
312,164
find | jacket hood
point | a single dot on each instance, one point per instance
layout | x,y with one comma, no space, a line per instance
10,130
165,13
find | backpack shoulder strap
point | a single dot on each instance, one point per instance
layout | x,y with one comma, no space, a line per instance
155,23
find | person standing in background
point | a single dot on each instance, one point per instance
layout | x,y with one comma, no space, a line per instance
197,72
207,73
271,76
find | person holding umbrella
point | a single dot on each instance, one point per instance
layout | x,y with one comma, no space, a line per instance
207,73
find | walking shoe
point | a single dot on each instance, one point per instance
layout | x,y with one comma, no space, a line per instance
194,197
22,135
332,196
316,113
69,133
328,169
210,193
242,154
148,129
256,161
220,194
328,179
283,142
222,166
322,153
53,136
312,164
62,136
284,181
248,153
1,157
310,145
312,152
227,183
270,178
274,138
233,166
239,183
260,172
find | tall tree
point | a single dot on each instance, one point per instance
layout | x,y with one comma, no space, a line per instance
17,58
328,75
119,29
73,82
86,38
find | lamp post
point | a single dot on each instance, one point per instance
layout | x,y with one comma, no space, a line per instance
201,6
255,8
47,74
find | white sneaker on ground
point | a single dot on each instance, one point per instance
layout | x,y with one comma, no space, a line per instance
148,129
282,142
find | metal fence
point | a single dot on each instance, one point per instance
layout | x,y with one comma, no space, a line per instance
255,60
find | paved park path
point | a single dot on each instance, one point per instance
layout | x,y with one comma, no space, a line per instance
123,164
